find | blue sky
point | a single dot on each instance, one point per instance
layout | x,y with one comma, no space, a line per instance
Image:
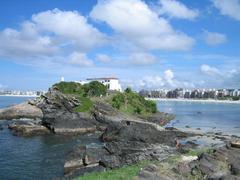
147,44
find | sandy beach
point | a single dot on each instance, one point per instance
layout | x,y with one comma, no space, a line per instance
196,100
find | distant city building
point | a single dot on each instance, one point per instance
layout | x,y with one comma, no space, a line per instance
111,83
193,94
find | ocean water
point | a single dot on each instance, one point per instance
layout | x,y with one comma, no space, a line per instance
216,117
43,157
38,157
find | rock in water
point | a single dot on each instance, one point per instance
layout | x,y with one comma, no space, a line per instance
235,143
24,110
28,129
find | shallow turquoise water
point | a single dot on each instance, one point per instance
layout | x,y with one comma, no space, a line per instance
207,116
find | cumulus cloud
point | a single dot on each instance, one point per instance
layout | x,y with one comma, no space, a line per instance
135,21
69,26
80,59
229,8
103,58
214,38
167,80
211,71
26,42
142,59
176,9
49,33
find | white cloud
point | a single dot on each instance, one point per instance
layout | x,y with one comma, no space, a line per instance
103,58
229,8
214,38
50,33
211,71
26,42
176,9
167,80
137,23
142,59
69,26
80,59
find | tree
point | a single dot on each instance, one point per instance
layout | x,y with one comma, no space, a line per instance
95,88
128,90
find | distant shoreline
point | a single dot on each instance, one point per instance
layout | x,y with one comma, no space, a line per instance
12,95
195,100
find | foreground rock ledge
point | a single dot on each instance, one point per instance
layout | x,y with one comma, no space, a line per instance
222,163
125,142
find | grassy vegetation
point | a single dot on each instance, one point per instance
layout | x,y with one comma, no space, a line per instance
132,103
128,102
123,173
86,105
70,88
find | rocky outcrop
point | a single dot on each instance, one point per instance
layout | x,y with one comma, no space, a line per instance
222,163
59,115
112,155
24,110
125,141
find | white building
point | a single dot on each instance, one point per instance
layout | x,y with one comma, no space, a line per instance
111,82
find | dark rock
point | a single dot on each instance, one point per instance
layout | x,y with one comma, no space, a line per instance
142,132
235,143
171,128
198,128
126,141
187,126
59,115
223,163
114,155
218,133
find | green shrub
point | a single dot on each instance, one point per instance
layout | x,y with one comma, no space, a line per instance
133,103
236,98
95,88
118,100
70,88
128,90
